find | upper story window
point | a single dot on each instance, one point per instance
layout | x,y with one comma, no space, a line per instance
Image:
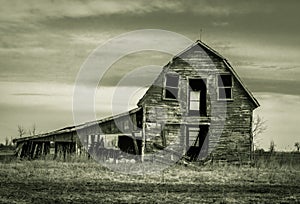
171,86
197,96
225,87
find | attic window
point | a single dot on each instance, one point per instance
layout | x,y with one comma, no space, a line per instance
171,86
225,87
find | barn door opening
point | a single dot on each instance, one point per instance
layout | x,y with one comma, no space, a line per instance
197,142
197,97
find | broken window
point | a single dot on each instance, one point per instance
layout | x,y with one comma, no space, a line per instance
197,142
197,97
225,87
193,133
171,86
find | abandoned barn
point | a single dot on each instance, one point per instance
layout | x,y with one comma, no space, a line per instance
197,108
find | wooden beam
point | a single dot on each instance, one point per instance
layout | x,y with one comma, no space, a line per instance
55,150
136,149
143,135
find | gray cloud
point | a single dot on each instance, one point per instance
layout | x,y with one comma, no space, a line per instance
36,10
53,46
273,86
31,94
47,42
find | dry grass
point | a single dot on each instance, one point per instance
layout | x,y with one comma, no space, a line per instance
87,181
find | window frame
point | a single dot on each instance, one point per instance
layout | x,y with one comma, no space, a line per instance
190,129
202,111
172,87
194,100
224,87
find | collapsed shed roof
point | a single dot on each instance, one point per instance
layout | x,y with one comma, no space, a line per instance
74,128
87,124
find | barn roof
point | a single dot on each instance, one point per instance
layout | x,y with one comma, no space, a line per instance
77,127
227,64
202,44
81,126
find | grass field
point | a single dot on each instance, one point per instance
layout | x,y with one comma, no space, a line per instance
88,182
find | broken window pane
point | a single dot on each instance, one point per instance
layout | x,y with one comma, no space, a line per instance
224,80
171,89
172,80
225,93
171,93
225,87
193,134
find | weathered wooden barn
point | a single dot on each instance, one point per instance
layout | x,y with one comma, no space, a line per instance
197,108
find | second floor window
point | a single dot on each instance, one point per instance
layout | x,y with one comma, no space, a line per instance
225,87
197,96
171,86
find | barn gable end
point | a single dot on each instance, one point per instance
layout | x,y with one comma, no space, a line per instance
176,113
200,62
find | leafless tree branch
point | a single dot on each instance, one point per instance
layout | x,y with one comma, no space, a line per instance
258,127
32,131
21,130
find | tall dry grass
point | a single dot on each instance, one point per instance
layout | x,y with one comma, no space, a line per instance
82,169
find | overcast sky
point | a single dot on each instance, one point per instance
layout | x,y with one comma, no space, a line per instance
44,43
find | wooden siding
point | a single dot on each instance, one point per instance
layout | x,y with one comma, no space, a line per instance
235,140
162,123
95,138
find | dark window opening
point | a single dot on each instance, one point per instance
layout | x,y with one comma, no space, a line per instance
171,93
197,97
224,80
197,142
171,88
139,119
225,93
225,87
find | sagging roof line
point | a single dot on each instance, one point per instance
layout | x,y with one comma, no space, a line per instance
81,126
241,83
77,127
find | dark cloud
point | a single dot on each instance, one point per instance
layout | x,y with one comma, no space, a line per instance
48,41
273,86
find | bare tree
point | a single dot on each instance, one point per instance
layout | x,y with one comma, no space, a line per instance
21,130
258,127
297,145
6,141
32,131
272,147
